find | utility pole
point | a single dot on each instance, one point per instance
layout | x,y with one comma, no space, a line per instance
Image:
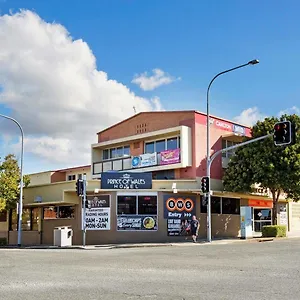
84,211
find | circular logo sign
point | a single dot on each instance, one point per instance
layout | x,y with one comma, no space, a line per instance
135,161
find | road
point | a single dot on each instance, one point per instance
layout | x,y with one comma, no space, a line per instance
243,270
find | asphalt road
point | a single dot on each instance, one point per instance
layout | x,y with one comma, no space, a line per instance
269,270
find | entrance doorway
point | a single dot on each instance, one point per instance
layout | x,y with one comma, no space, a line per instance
261,217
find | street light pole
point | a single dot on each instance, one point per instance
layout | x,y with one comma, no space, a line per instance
21,180
252,62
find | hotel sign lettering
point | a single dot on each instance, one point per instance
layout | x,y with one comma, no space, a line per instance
128,180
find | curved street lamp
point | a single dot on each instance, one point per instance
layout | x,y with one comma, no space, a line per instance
21,181
251,62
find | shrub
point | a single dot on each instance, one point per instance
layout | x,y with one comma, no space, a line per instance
274,231
3,241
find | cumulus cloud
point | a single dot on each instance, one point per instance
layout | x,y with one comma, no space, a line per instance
249,116
149,83
52,86
290,111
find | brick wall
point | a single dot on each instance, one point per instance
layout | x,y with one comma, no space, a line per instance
145,122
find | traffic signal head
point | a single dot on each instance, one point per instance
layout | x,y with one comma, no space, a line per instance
79,187
284,133
205,184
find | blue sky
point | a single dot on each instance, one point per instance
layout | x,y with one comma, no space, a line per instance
192,40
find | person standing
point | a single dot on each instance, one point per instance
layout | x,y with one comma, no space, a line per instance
195,225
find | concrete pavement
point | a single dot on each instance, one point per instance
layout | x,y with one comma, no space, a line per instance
220,271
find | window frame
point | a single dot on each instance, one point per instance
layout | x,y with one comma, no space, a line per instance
110,150
230,153
136,195
57,212
160,139
16,225
204,211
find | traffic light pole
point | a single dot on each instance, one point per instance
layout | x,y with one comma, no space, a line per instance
210,161
84,211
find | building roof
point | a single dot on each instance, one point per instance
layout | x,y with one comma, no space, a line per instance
61,170
170,111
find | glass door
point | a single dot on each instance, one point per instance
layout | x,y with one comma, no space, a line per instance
262,217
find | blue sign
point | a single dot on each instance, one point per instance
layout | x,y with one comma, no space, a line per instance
238,129
129,180
135,161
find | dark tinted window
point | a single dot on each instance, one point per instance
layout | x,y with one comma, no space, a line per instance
230,206
147,205
127,205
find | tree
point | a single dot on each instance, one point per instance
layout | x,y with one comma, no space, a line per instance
10,182
276,168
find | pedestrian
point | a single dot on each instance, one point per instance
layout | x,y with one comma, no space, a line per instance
194,228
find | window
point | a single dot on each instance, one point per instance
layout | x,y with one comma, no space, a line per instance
35,218
126,151
115,152
59,212
26,219
163,175
147,205
226,144
149,147
71,177
13,220
3,216
215,206
30,219
137,205
230,206
126,205
105,154
162,145
172,144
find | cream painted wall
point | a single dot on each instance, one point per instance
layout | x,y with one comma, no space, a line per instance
80,171
40,178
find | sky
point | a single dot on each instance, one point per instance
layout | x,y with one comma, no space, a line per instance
69,69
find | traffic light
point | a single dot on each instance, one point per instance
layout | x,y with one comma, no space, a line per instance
87,204
284,133
205,184
79,187
204,200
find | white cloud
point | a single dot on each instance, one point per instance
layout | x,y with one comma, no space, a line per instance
290,111
53,88
149,83
249,116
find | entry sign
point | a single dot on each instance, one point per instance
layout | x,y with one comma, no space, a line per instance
180,207
97,217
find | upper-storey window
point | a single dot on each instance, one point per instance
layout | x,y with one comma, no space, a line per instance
226,144
116,152
162,145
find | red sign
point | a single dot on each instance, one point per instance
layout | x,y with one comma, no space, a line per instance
260,203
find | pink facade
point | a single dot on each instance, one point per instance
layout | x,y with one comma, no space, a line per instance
147,122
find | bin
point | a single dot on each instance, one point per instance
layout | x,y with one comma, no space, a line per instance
63,236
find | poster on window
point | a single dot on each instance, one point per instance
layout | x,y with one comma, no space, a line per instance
97,216
178,210
136,223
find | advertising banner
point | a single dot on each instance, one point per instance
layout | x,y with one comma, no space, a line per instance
178,210
170,157
97,216
144,160
128,180
137,223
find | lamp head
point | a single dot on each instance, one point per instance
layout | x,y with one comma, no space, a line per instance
253,62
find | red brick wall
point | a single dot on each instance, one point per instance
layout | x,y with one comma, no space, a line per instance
145,122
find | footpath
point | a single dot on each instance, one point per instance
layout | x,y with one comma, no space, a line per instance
188,243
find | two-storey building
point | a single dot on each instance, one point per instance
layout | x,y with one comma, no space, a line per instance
144,185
